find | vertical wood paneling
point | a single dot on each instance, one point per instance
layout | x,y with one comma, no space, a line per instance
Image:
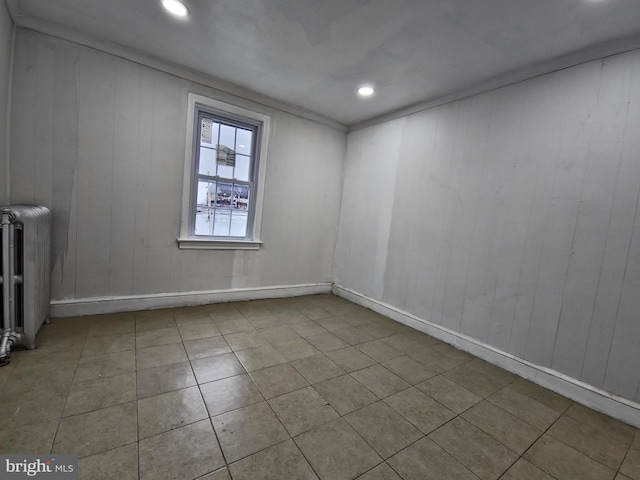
143,181
540,144
323,162
596,198
65,129
494,179
481,227
165,176
123,199
622,375
302,160
383,201
406,258
507,210
328,163
619,235
43,135
7,30
454,126
96,102
281,173
367,206
533,246
23,118
580,91
469,191
435,174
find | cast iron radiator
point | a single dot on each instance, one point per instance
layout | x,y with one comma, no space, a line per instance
26,275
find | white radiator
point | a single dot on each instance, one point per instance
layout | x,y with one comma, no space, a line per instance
26,275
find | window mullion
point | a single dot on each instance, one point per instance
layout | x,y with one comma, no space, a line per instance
233,185
224,179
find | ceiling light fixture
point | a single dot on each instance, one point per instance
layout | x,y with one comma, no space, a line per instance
175,7
366,91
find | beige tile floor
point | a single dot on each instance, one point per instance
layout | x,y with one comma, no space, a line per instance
308,387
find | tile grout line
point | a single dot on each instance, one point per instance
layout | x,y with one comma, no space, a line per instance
626,454
61,416
292,438
135,364
544,432
224,458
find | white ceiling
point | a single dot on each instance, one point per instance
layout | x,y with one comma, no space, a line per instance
314,53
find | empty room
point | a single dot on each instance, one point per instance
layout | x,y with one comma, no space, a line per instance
331,239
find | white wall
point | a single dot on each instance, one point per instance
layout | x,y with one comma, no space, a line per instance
512,218
6,42
101,141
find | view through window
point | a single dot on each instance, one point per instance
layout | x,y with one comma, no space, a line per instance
225,165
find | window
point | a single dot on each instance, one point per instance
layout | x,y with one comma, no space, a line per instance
224,162
224,176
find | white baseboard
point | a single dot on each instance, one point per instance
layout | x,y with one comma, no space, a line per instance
588,395
132,303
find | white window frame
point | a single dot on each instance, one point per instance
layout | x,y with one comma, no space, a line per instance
187,238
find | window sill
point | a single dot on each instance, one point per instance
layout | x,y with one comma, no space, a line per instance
211,244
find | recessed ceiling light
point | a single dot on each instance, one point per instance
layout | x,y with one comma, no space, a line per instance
175,7
366,91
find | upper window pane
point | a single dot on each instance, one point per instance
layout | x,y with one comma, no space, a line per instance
242,170
209,132
227,138
244,141
207,165
226,159
225,171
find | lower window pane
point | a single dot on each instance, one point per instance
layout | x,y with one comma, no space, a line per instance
221,225
222,209
239,223
221,222
204,221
